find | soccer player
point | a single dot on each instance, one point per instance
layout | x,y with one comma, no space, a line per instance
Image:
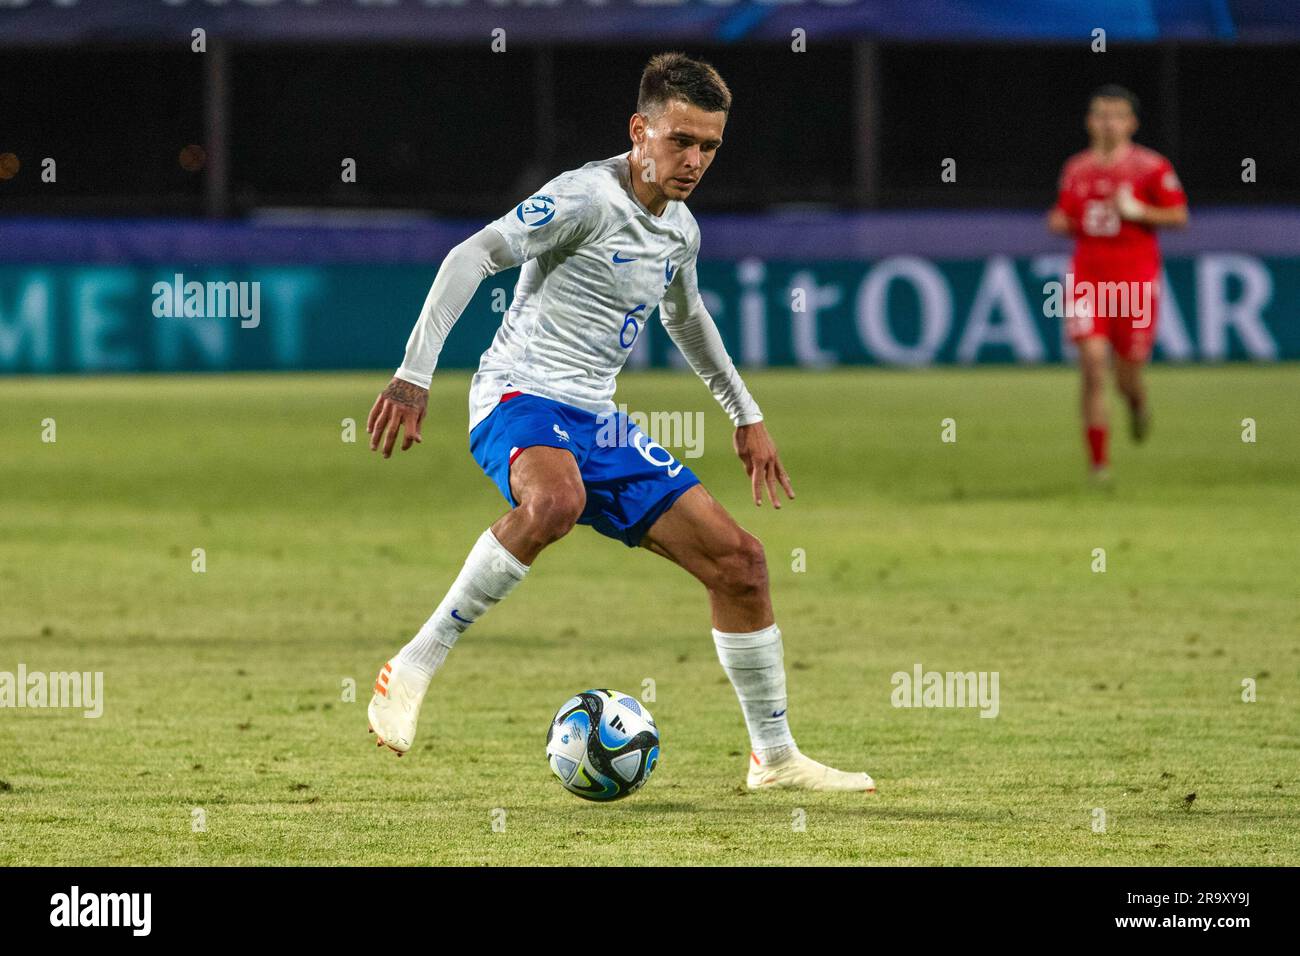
1113,197
600,247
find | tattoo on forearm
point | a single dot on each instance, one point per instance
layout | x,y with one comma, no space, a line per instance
405,393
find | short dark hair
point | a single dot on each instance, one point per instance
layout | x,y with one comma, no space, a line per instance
675,76
1113,91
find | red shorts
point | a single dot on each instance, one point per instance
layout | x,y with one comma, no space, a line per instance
1124,311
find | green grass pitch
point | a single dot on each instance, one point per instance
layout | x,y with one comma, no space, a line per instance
226,738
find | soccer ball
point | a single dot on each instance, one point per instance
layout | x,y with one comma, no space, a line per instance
602,745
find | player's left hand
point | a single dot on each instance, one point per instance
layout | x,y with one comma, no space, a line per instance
1127,205
763,465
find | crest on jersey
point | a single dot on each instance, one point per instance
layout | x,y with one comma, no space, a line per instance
536,211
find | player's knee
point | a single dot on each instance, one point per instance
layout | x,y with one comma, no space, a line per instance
551,514
741,569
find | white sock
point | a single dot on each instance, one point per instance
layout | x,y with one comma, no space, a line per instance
490,573
753,661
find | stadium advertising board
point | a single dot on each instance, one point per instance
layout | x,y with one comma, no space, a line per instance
904,310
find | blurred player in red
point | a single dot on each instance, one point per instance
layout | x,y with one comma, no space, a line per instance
1113,197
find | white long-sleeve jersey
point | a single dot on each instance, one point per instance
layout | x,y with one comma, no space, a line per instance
596,264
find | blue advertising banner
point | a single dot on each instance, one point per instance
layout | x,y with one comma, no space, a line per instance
530,21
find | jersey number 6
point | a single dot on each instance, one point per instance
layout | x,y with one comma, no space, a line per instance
623,340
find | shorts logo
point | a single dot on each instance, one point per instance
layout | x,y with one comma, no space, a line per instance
645,446
621,261
669,272
561,432
536,211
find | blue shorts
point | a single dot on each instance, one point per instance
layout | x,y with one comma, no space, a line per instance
630,480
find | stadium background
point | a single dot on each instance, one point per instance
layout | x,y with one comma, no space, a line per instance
830,179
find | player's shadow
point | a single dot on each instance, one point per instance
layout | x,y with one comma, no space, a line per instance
642,808
1037,493
869,806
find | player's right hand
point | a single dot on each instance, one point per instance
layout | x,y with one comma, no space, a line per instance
1058,222
401,405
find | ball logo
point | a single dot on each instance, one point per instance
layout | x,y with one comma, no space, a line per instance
536,211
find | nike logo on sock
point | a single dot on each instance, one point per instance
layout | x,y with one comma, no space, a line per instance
463,621
777,713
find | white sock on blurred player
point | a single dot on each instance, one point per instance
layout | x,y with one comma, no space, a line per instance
754,662
489,575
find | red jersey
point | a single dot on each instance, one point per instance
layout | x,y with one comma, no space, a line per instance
1109,247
